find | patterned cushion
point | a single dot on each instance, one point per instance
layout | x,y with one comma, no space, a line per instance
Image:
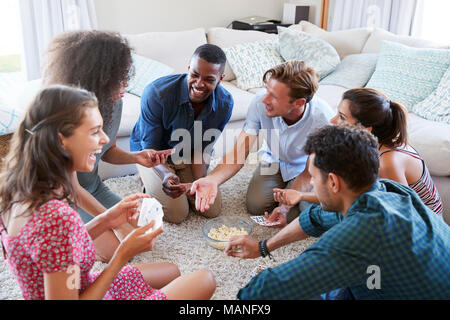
298,45
251,60
408,75
9,119
146,71
437,106
354,71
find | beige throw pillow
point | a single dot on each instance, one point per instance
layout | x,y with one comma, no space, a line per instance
345,42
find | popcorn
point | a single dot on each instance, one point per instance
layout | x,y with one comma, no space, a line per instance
224,233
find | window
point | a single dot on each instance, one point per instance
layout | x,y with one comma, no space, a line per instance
432,20
12,70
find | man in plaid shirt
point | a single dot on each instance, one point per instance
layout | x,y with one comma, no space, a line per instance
377,238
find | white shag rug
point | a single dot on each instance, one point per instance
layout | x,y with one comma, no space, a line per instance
185,246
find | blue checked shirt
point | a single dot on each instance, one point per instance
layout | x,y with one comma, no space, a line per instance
388,227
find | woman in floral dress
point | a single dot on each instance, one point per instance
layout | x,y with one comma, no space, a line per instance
48,248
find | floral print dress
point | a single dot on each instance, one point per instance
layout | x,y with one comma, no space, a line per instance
54,239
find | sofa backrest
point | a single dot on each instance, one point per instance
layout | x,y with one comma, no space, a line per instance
373,43
174,49
226,38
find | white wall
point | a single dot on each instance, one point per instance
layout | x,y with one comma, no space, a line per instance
137,16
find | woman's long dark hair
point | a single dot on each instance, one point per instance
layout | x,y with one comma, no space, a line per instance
98,61
371,108
37,168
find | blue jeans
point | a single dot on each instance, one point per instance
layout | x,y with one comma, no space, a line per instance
103,194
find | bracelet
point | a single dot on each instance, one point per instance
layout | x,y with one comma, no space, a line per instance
263,249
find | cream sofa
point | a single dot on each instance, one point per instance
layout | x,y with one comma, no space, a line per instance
431,139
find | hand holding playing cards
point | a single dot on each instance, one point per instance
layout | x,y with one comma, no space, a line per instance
150,158
278,215
138,241
172,187
205,190
124,211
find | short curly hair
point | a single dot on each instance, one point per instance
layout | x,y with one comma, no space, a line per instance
349,152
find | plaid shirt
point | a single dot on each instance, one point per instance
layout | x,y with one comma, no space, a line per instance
388,227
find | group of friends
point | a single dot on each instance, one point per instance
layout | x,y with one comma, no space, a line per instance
350,179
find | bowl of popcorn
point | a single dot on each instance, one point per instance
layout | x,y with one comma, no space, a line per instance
218,231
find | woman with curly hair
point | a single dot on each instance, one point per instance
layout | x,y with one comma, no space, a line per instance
99,62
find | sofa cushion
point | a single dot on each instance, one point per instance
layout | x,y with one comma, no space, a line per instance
174,49
331,94
436,106
226,38
241,99
130,113
10,118
432,140
408,75
373,44
354,71
344,41
299,45
145,71
251,60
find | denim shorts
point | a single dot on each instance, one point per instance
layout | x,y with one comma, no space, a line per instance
103,194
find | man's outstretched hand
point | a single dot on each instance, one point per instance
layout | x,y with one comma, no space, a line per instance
205,190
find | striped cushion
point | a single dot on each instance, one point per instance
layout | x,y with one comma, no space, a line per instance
146,71
408,75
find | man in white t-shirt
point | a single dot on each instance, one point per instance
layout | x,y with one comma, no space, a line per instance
286,112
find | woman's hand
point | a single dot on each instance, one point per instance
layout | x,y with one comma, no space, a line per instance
138,241
288,197
150,158
124,211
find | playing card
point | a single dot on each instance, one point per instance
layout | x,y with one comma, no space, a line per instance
151,209
255,271
261,220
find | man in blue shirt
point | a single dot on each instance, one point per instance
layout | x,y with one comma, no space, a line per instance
286,112
377,238
183,107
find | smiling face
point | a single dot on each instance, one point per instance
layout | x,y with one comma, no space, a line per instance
203,78
343,115
278,102
120,93
87,140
